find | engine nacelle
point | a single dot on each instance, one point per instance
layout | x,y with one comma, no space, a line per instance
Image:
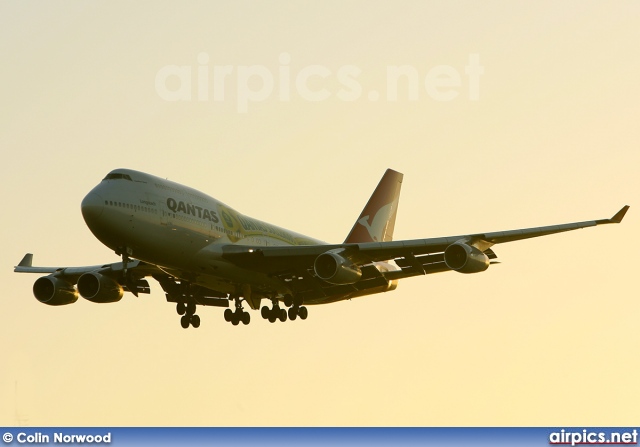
336,269
54,291
99,288
464,258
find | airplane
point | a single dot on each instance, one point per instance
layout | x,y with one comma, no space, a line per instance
204,253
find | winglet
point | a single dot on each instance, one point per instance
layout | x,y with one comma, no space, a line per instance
620,214
617,218
27,261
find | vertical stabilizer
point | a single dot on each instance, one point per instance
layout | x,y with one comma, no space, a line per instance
378,218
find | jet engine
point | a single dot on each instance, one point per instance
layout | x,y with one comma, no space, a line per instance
465,258
54,291
99,288
336,269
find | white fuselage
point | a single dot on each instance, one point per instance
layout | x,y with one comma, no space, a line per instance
180,230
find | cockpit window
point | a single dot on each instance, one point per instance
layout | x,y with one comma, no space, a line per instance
114,176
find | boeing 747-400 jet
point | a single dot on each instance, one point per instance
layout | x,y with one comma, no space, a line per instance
204,253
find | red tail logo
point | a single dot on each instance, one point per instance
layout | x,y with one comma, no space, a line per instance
378,218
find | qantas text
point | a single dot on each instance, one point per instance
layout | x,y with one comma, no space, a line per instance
194,210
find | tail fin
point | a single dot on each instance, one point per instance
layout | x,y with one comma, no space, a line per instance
378,218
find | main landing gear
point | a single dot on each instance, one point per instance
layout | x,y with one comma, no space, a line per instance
295,312
273,314
189,317
276,313
237,316
296,309
186,297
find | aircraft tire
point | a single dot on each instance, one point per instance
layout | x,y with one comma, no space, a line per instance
191,308
228,315
288,300
246,318
283,315
293,313
264,312
185,321
195,321
303,313
180,308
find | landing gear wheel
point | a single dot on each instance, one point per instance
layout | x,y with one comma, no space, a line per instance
303,313
273,316
235,318
264,312
283,315
228,315
246,318
181,308
297,301
293,313
288,300
185,321
195,321
191,308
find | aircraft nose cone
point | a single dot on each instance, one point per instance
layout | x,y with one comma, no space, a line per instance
92,207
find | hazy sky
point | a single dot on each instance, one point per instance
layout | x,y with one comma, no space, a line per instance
298,134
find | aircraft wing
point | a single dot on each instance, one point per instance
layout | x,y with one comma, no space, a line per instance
294,265
136,270
418,256
140,268
131,279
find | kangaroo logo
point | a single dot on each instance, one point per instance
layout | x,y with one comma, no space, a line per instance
376,229
378,217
